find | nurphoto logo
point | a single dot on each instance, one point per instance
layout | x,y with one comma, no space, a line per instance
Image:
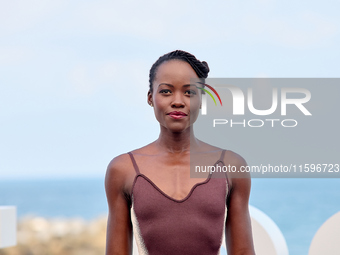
242,103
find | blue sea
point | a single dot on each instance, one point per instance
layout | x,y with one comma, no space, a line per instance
298,206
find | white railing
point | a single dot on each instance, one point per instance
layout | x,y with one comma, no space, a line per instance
327,238
8,226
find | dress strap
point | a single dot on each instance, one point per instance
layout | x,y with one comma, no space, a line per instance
134,163
222,156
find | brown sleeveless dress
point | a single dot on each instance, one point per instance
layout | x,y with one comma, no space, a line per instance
193,225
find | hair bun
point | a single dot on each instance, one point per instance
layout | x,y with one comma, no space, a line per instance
206,65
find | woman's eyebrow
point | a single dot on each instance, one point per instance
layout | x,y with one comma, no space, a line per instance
188,85
165,84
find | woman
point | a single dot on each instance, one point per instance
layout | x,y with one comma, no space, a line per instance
150,192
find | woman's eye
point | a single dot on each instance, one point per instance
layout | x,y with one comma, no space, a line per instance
191,92
165,91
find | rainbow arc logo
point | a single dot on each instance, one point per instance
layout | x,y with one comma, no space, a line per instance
204,100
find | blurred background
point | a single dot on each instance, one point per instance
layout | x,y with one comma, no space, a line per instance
74,80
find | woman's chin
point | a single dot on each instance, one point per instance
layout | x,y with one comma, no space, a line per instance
178,128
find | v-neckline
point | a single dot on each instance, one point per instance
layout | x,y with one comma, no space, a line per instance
166,195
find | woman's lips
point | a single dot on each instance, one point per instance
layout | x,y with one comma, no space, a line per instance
177,115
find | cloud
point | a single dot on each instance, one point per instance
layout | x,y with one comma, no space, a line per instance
14,55
126,17
306,29
126,79
80,79
17,15
177,22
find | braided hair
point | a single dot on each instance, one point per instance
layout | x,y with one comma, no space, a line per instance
201,68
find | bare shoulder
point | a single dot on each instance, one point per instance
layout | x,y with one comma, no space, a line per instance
237,175
119,165
118,171
235,159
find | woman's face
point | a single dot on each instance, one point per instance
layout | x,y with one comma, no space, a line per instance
176,103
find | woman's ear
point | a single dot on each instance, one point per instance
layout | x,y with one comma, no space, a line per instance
149,98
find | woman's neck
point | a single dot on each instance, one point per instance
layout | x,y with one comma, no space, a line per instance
176,142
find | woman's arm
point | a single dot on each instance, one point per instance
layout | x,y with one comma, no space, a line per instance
238,232
119,227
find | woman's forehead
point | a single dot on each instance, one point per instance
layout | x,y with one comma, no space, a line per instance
183,86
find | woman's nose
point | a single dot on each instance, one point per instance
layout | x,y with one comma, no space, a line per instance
178,100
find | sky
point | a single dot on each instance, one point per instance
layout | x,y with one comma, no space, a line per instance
74,74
